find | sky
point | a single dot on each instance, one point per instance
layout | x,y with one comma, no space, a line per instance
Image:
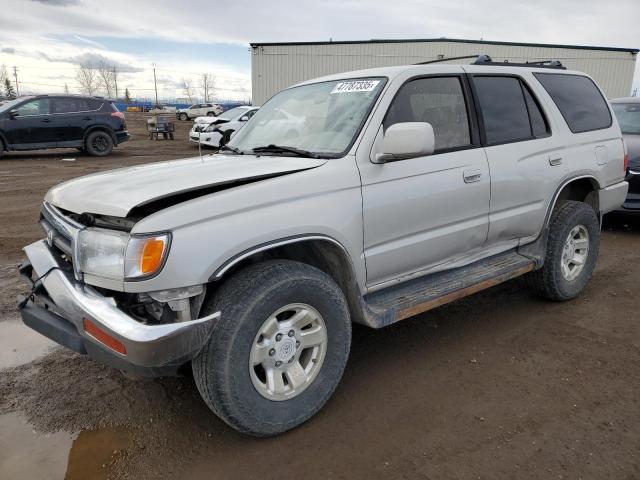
47,39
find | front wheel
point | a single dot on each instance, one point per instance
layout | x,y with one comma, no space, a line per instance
572,252
279,349
184,117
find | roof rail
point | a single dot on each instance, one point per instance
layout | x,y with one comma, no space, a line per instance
447,59
486,60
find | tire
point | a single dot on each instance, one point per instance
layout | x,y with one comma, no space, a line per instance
226,136
222,370
98,144
551,281
211,114
184,117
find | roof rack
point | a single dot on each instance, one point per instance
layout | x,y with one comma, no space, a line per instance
447,59
486,60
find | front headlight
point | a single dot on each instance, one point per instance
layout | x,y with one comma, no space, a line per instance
118,255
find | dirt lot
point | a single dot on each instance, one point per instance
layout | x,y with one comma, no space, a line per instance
498,385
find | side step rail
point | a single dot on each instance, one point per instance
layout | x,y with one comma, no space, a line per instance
420,295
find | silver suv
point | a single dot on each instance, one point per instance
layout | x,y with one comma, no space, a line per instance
399,189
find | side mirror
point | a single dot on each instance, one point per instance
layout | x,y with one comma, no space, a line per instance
13,114
406,140
244,118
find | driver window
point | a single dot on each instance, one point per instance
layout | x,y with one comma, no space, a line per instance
438,101
39,106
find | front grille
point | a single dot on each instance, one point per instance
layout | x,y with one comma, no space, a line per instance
61,233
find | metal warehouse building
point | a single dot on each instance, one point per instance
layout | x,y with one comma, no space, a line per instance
275,66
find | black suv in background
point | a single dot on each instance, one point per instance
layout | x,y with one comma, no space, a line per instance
90,124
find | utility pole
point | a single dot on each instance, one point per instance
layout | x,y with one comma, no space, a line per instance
15,75
155,84
115,80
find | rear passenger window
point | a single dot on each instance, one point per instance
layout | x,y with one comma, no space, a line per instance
438,101
71,105
578,99
503,107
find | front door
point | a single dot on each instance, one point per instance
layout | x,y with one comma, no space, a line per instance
32,127
431,212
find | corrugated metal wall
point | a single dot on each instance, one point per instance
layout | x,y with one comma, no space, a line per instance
274,67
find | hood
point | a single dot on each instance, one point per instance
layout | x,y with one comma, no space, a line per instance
633,148
117,192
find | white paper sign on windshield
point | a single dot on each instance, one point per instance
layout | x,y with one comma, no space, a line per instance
355,86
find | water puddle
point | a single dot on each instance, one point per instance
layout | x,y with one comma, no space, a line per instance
19,344
25,453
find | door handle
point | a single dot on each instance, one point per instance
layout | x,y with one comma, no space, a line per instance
471,176
86,118
555,160
46,120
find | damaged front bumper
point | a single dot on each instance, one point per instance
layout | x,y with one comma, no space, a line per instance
77,316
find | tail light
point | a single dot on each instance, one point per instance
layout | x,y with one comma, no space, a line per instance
120,115
626,157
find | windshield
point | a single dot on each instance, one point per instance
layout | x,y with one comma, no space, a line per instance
12,103
628,115
321,118
233,113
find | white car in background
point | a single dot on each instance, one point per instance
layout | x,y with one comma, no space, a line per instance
199,110
215,132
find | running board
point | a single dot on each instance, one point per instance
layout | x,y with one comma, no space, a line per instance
416,296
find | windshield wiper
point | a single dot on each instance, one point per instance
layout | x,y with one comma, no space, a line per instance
231,149
271,148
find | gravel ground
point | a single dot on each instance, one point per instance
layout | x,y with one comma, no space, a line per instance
498,385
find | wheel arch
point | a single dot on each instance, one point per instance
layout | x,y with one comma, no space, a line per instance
582,188
102,128
320,251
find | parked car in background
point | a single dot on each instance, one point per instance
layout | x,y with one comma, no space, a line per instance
627,111
409,187
199,110
215,132
90,124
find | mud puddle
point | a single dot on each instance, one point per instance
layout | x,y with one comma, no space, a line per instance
20,345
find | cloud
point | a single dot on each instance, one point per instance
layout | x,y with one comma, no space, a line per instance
8,50
58,3
92,59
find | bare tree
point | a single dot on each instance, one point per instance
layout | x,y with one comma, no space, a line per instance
189,90
107,79
3,73
87,78
207,85
66,88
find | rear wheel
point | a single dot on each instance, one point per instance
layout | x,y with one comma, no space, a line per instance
211,114
572,252
279,349
99,144
183,117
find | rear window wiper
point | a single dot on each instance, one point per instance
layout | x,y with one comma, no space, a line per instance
231,149
284,149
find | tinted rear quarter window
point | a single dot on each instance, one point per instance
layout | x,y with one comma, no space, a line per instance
579,101
503,107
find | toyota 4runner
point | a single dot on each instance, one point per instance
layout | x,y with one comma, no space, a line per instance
408,187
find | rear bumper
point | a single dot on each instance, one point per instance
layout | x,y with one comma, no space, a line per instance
122,137
613,196
60,305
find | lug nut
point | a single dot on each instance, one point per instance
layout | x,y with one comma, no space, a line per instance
278,363
272,352
297,344
291,333
278,337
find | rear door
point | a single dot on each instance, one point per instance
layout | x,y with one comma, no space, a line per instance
522,154
427,213
71,117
